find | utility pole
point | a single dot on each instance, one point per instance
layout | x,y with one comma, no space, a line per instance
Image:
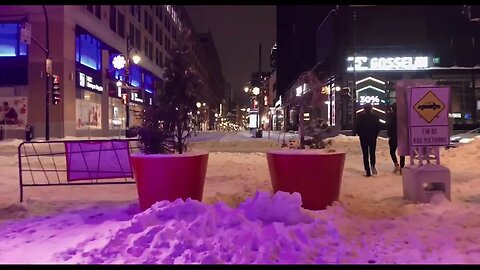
127,89
48,70
260,96
354,91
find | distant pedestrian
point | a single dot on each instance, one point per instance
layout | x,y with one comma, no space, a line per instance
393,141
367,126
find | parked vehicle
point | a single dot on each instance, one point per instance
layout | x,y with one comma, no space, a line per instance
463,138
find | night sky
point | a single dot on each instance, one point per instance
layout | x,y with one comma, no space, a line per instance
237,32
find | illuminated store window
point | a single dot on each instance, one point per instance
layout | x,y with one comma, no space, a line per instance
88,51
10,44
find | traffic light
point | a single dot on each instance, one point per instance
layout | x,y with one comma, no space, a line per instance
124,98
56,90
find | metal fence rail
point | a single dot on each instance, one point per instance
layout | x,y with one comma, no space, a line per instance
44,163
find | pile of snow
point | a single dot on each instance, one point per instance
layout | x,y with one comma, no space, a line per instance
192,232
264,229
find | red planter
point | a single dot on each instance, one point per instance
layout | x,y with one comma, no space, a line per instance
169,177
315,174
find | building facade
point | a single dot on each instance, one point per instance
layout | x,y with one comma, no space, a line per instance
363,52
84,41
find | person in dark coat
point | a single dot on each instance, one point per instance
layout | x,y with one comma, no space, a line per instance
367,126
392,135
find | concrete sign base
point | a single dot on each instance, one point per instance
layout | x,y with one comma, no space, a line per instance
421,182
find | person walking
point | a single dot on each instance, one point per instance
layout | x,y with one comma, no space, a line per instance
392,138
367,126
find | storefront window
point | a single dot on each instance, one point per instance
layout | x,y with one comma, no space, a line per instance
88,107
13,112
10,44
135,76
116,114
136,112
88,51
463,99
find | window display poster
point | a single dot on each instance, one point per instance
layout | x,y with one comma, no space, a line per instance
88,114
13,112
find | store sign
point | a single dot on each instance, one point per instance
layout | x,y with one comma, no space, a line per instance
298,91
86,81
279,102
455,115
119,62
362,63
428,116
136,98
374,100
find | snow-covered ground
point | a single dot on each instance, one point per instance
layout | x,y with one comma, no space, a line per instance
240,221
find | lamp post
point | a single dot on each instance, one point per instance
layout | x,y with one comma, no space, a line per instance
136,60
47,77
254,92
120,62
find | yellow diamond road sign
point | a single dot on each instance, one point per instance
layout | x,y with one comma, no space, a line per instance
429,106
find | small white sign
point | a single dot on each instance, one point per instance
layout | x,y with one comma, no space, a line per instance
455,115
26,33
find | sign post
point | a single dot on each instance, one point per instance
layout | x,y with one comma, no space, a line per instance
429,130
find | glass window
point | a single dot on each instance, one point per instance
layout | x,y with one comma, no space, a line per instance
145,19
138,39
10,44
88,108
145,45
116,114
23,49
77,48
132,10
138,12
160,36
135,76
161,59
113,18
148,83
131,35
121,25
150,25
98,11
150,50
88,52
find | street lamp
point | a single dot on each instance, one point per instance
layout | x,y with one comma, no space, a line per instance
120,62
256,91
